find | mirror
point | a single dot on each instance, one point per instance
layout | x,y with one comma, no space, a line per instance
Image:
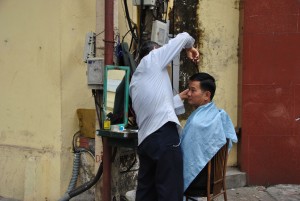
116,94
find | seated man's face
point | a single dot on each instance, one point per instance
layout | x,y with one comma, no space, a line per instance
196,96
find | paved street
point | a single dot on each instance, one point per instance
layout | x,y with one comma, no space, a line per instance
253,193
261,193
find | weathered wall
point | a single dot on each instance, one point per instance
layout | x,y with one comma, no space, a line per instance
42,83
77,18
215,27
219,24
271,92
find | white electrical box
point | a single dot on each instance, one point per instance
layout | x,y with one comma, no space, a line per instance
89,46
160,32
95,72
146,2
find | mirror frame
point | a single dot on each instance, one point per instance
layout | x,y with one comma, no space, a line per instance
126,92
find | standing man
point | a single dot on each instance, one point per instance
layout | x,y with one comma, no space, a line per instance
160,174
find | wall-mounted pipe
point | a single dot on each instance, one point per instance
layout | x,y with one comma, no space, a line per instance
109,32
108,60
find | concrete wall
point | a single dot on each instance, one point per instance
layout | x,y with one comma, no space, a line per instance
42,83
219,24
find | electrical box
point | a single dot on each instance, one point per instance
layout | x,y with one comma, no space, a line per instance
89,46
146,2
160,32
95,72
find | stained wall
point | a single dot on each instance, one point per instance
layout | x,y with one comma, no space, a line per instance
42,83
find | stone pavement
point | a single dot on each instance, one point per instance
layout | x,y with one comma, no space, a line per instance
281,192
260,193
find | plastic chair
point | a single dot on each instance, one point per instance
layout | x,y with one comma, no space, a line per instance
215,172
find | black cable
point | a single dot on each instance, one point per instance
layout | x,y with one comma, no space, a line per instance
84,187
129,22
89,184
125,35
131,43
98,107
99,33
141,23
94,93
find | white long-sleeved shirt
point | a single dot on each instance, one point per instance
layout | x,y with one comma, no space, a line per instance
150,88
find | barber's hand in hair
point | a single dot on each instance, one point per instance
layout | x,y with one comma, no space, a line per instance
193,54
183,95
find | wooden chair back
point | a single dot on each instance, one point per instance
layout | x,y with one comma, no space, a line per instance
216,169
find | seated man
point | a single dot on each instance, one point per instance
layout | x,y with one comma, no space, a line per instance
206,129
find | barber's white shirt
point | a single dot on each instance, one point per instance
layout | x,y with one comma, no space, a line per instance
151,90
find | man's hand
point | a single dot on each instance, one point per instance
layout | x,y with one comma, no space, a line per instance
193,54
183,95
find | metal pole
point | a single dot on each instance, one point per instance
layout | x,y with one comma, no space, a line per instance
108,60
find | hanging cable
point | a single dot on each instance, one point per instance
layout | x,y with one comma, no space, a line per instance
129,22
141,24
98,107
99,33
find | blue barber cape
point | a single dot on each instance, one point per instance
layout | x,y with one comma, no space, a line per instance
204,134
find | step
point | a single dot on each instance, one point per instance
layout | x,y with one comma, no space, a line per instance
235,178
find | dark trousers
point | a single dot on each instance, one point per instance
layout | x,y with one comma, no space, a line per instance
160,176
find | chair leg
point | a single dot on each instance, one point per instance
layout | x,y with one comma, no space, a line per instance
208,181
224,187
225,195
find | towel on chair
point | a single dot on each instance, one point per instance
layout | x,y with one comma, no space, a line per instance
204,134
